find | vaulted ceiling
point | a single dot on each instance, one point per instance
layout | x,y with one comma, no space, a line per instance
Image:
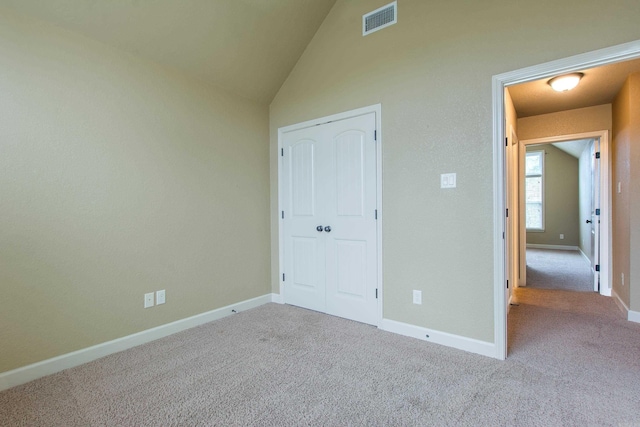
247,47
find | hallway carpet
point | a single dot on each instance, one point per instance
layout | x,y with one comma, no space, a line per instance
556,269
278,365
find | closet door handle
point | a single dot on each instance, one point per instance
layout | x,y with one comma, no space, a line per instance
327,229
588,221
319,228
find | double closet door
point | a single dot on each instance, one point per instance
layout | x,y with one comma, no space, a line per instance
329,225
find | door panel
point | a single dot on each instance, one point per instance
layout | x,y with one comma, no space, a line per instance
307,273
303,191
349,173
351,267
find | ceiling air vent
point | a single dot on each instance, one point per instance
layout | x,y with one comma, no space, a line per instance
380,18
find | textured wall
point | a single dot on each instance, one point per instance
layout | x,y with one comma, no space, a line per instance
581,120
432,74
118,178
561,214
626,203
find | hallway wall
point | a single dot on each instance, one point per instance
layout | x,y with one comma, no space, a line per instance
626,203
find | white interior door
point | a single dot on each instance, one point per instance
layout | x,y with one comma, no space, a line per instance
595,214
329,224
304,245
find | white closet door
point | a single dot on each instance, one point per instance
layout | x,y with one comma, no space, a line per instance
330,182
351,254
304,251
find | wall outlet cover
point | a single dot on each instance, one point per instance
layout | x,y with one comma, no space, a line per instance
417,297
148,300
160,297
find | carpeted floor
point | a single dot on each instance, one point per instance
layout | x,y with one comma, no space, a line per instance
572,364
554,269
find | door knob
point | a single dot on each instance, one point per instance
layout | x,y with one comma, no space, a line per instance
319,228
588,221
327,229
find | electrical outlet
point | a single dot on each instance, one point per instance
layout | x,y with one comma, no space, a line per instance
562,237
160,297
417,297
148,300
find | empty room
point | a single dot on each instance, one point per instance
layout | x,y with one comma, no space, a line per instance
303,212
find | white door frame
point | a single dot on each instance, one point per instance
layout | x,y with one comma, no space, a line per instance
605,200
377,110
596,58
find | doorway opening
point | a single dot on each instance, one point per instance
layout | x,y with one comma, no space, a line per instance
506,227
565,205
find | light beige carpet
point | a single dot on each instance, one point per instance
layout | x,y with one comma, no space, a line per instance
557,269
571,364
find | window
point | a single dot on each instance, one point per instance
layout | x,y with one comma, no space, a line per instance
534,190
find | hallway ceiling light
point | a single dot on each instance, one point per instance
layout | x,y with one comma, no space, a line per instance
566,82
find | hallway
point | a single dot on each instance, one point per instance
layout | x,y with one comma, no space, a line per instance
558,269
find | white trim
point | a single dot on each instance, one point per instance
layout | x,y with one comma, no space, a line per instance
56,364
277,298
543,183
621,305
377,110
632,316
443,338
555,247
584,256
499,222
583,61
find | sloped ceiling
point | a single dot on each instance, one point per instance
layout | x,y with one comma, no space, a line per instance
247,47
574,148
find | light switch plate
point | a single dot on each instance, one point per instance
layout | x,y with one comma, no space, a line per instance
160,297
417,297
448,180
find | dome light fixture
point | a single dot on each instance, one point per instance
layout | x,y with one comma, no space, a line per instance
565,82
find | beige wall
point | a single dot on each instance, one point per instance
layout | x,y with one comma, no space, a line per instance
561,214
626,204
119,177
569,122
432,74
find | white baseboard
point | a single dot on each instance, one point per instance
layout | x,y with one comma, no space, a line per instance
632,316
584,256
556,247
621,305
56,364
277,298
443,338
